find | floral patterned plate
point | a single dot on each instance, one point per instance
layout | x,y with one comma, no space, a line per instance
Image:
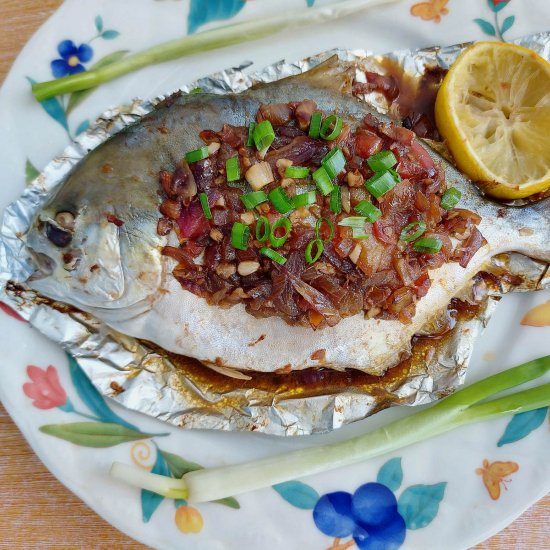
450,492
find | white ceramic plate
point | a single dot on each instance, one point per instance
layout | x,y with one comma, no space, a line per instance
443,501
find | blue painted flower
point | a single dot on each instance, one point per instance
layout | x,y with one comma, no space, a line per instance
72,57
370,516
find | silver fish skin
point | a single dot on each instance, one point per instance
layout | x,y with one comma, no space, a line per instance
121,278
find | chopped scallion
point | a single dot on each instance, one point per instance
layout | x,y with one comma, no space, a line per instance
315,124
263,229
380,184
278,241
263,135
359,233
250,141
353,221
318,228
334,162
408,235
323,181
205,208
336,200
296,172
281,200
428,245
273,255
382,161
304,199
196,155
450,198
367,209
233,169
240,234
319,247
331,127
251,200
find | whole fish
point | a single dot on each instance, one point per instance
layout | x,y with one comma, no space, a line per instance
106,258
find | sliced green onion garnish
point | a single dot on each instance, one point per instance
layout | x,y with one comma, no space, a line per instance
367,209
334,162
281,200
272,255
359,233
263,229
297,172
428,245
331,127
304,199
380,184
450,198
336,200
323,181
233,169
353,221
196,155
408,235
205,208
276,241
315,124
318,225
251,200
240,234
382,161
395,174
263,135
319,247
250,141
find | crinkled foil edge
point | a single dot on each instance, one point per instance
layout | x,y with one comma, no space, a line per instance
145,380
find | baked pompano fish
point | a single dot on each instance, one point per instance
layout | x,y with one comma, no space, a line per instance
286,227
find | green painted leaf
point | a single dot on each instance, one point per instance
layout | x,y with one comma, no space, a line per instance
94,434
76,98
53,107
110,34
151,501
391,474
201,12
30,171
522,425
298,494
419,504
179,502
507,24
82,127
178,466
99,23
486,27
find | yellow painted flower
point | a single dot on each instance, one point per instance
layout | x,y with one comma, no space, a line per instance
189,520
432,10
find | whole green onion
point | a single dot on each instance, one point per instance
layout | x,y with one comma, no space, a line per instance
450,198
466,406
196,155
278,241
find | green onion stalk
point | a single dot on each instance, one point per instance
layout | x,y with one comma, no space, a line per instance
202,42
465,406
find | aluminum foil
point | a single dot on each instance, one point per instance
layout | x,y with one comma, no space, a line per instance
186,393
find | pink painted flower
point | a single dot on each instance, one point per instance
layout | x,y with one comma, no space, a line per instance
11,312
44,388
497,5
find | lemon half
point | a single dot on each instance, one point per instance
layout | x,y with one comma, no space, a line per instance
493,110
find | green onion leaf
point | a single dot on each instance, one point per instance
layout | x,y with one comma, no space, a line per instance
250,141
278,241
380,184
336,200
263,135
319,247
318,226
367,209
419,230
281,200
315,124
304,199
263,229
272,255
334,162
359,233
382,161
428,245
196,155
233,169
331,127
205,208
323,181
450,198
251,200
296,172
240,234
353,221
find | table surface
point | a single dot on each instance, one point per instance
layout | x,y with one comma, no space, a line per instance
39,512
